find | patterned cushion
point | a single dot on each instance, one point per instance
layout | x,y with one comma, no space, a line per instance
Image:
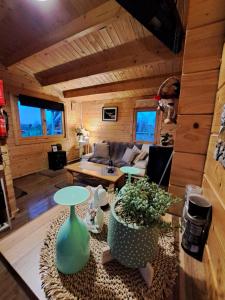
129,155
142,155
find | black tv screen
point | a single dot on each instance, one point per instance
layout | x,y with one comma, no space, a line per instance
161,17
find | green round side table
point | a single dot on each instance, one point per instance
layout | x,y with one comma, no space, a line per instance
72,243
130,171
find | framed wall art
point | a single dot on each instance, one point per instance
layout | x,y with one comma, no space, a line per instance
109,113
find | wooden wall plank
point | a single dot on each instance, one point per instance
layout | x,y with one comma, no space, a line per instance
209,275
198,92
203,48
222,70
122,130
191,139
186,169
203,12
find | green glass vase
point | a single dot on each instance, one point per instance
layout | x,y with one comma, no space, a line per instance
72,242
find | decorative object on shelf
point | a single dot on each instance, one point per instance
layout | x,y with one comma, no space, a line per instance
109,113
72,243
95,216
219,153
189,189
54,148
136,215
167,95
112,281
166,139
82,135
197,223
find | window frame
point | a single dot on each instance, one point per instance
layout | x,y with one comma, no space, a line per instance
156,135
34,139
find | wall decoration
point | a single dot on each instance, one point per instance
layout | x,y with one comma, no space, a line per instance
109,113
167,96
54,148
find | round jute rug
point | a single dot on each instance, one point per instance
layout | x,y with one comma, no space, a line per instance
110,281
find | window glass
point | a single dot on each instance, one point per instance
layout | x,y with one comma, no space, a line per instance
30,121
145,126
53,122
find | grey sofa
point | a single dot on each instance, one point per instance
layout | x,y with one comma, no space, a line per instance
116,151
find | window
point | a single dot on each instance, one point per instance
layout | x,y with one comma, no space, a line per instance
53,122
39,118
145,126
30,121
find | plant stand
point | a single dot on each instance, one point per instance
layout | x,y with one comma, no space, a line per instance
147,272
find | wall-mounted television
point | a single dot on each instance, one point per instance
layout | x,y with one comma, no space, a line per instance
161,17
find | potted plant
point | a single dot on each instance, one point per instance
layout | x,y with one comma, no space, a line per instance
135,222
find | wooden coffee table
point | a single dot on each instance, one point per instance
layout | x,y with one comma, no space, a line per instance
95,170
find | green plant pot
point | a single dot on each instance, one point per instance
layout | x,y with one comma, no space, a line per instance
133,246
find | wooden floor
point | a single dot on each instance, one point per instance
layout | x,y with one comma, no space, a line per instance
22,247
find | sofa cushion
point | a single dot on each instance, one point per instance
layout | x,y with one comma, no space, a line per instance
141,156
136,150
101,150
129,155
141,164
117,149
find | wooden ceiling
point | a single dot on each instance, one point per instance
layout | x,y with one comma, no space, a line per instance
75,44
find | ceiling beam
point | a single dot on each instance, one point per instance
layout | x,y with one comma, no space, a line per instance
93,20
139,52
119,86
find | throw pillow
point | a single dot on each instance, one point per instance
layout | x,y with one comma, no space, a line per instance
136,150
129,155
101,150
141,164
142,155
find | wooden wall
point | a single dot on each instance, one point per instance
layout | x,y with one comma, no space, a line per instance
122,130
201,63
214,190
32,157
20,160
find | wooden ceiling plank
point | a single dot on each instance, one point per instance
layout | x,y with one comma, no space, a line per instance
127,85
93,20
148,50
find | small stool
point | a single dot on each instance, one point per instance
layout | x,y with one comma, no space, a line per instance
72,243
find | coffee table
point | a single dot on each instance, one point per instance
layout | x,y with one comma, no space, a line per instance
95,170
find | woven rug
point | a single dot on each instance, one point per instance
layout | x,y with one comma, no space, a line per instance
109,281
